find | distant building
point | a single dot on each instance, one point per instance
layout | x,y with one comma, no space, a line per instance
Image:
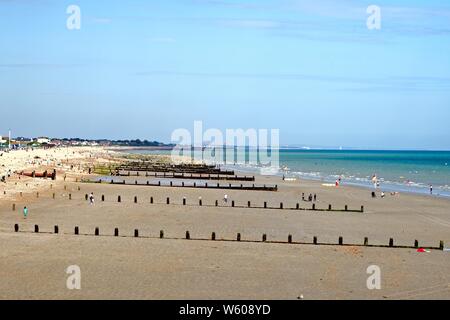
3,141
43,140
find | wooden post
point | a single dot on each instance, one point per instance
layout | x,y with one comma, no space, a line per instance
116,232
135,199
36,228
213,236
391,242
341,241
315,240
97,231
151,199
136,233
362,208
14,207
297,206
200,202
265,204
289,238
441,245
366,241
329,207
238,238
314,206
16,228
264,237
37,194
70,196
161,234
232,203
76,230
103,197
188,236
53,195
184,201
416,244
119,199
86,197
346,208
281,205
249,204
168,200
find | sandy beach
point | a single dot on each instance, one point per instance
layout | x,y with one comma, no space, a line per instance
152,268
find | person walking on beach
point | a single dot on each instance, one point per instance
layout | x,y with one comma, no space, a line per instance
225,198
315,197
25,212
431,189
91,198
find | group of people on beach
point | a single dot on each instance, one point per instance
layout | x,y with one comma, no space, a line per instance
310,198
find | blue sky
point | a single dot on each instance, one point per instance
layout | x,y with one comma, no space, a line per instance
140,69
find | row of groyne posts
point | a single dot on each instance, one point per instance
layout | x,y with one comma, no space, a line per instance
239,238
205,185
44,174
182,175
217,204
178,168
180,171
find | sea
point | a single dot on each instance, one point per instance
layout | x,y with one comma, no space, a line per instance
396,171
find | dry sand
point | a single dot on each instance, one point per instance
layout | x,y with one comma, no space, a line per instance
123,267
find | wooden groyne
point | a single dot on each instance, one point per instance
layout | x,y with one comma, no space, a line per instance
239,238
183,175
176,168
44,174
229,186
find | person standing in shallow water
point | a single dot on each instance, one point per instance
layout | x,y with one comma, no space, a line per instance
431,189
25,212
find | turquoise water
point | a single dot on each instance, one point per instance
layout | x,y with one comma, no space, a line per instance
412,171
406,171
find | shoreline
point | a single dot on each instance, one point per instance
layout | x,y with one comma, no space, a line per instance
387,184
67,156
